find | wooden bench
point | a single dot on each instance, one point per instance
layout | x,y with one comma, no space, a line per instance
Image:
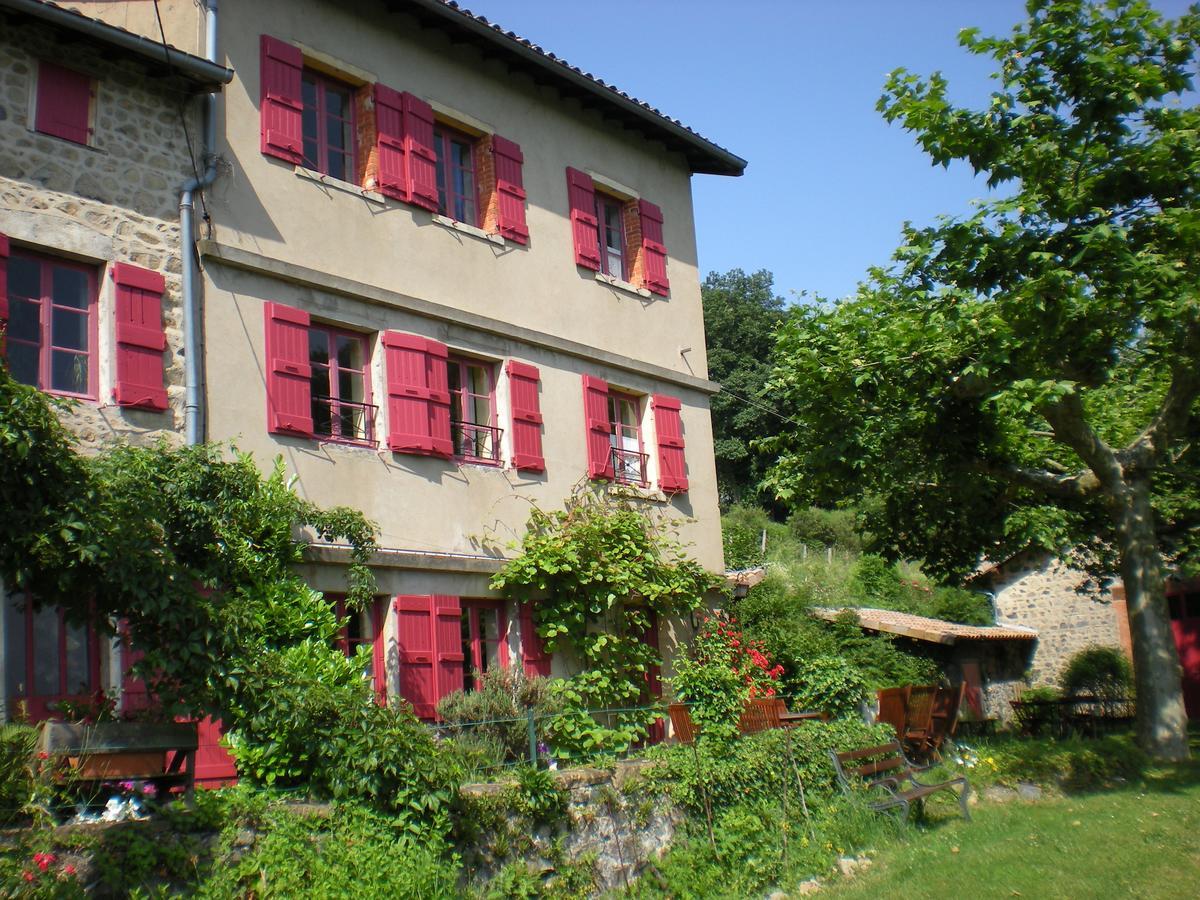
122,751
888,769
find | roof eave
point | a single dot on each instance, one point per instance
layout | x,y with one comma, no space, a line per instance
204,75
703,156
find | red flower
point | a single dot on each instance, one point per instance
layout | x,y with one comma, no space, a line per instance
43,860
42,754
69,869
28,876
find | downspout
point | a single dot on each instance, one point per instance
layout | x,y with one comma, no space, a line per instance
193,344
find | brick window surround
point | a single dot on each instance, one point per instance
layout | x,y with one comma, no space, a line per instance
484,627
340,385
473,428
52,324
458,194
625,419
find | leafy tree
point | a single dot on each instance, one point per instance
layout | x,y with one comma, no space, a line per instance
741,313
1029,373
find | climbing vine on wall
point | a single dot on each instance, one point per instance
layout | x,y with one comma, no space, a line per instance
598,573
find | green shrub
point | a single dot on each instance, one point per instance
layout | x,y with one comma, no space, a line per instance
316,724
818,527
760,768
960,605
501,698
830,684
17,743
1073,763
1102,672
741,536
354,852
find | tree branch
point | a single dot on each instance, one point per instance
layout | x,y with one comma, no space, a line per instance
1071,427
1073,486
1172,416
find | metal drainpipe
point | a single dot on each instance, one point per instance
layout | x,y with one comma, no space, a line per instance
192,342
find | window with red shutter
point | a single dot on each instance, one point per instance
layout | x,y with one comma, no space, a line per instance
418,395
668,426
654,251
526,416
598,428
328,122
533,653
64,103
289,390
421,158
484,639
581,197
281,107
510,190
473,429
389,142
140,337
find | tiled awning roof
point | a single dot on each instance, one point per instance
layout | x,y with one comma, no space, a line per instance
923,628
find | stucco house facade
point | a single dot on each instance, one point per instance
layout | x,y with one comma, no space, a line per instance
444,276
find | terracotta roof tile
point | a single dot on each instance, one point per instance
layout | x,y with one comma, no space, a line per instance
923,628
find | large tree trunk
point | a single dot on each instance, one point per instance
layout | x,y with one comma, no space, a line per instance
1161,719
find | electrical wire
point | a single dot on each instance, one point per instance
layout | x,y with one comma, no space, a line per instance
187,135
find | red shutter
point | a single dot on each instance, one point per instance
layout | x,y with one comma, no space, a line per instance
533,652
526,416
581,194
289,393
447,642
414,634
510,188
389,129
672,468
429,631
64,102
654,251
281,109
3,282
418,395
599,429
422,160
140,337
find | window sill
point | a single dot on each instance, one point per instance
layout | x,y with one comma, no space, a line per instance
634,492
324,440
623,285
478,462
463,227
338,184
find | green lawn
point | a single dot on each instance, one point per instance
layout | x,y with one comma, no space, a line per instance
1141,841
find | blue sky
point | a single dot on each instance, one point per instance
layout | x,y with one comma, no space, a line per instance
791,86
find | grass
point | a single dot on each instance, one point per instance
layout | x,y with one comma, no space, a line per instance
1137,841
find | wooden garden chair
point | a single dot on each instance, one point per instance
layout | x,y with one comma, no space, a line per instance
947,702
682,723
759,715
893,708
919,714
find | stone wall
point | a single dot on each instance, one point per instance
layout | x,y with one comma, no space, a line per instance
1068,612
115,200
610,828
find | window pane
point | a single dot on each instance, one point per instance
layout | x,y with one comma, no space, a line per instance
349,352
69,372
614,266
336,104
70,287
350,386
45,652
479,381
481,411
318,347
79,660
24,278
23,363
68,329
14,643
23,320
